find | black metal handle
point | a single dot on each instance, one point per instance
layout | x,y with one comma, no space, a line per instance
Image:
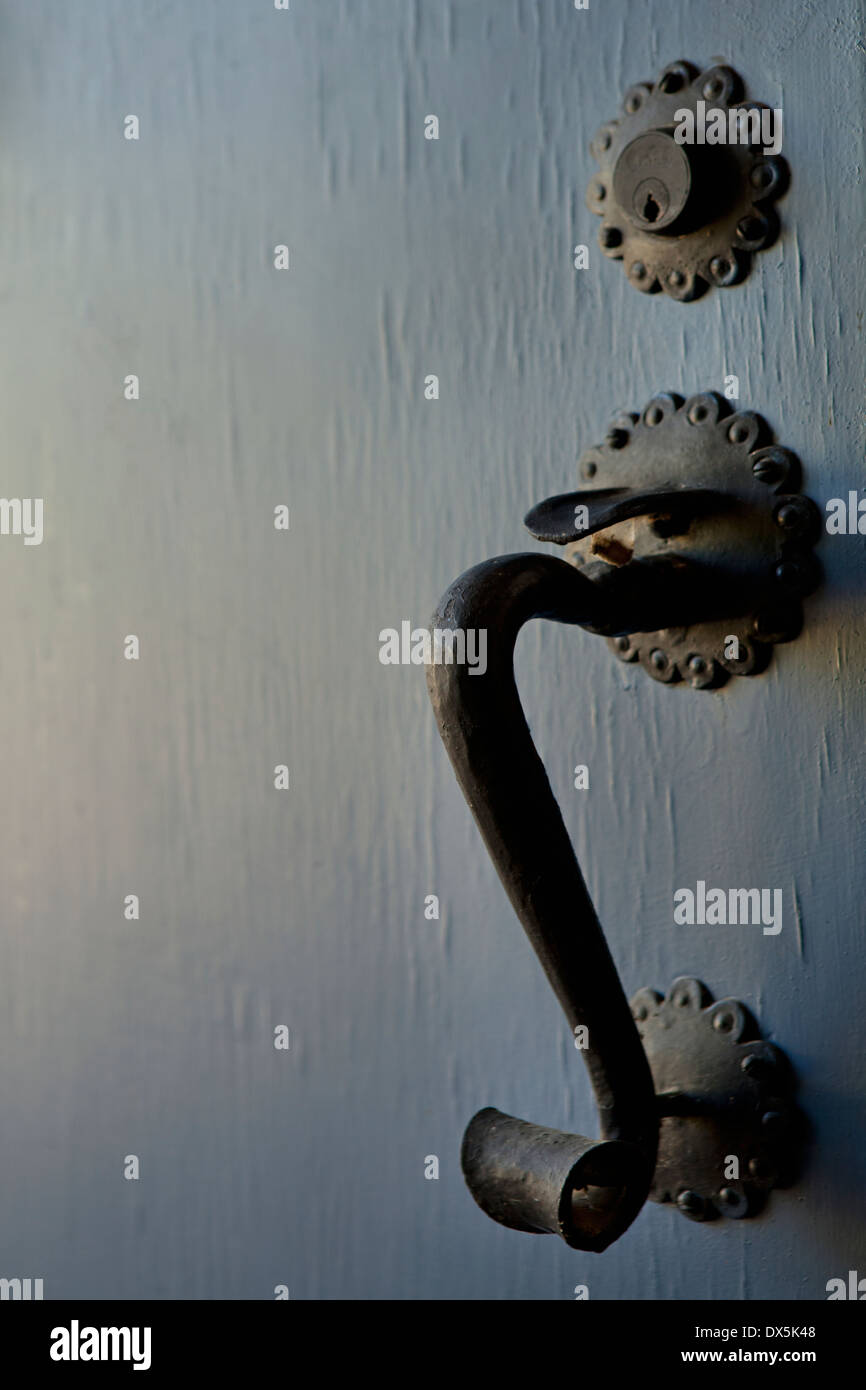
556,519
524,1176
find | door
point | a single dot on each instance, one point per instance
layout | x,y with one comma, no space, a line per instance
253,941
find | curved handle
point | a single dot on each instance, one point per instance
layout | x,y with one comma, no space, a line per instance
555,519
525,1177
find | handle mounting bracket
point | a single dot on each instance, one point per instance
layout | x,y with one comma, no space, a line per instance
729,1128
691,485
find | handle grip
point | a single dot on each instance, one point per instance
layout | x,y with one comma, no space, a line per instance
483,727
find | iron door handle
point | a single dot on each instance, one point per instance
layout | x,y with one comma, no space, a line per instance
524,1176
719,545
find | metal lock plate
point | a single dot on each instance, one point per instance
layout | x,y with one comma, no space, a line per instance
682,217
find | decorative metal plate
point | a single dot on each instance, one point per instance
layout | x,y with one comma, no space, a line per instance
730,1129
683,217
757,548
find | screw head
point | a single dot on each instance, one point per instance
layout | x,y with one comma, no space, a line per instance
698,414
599,192
773,1122
638,270
692,1204
701,671
720,267
616,438
671,82
760,1169
610,237
658,659
754,1066
788,517
751,228
733,1202
654,415
788,572
713,89
768,470
622,644
676,279
762,176
724,1021
738,432
641,1013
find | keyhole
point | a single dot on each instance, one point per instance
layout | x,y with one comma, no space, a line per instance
651,209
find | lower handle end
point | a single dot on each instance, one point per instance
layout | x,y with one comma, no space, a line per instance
543,1181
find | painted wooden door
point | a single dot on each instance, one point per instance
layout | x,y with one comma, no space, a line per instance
235,975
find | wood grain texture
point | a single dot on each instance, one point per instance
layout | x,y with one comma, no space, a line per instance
408,257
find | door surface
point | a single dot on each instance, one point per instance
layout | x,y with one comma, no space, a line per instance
308,908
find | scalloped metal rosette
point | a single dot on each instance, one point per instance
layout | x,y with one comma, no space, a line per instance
760,544
730,1129
712,205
